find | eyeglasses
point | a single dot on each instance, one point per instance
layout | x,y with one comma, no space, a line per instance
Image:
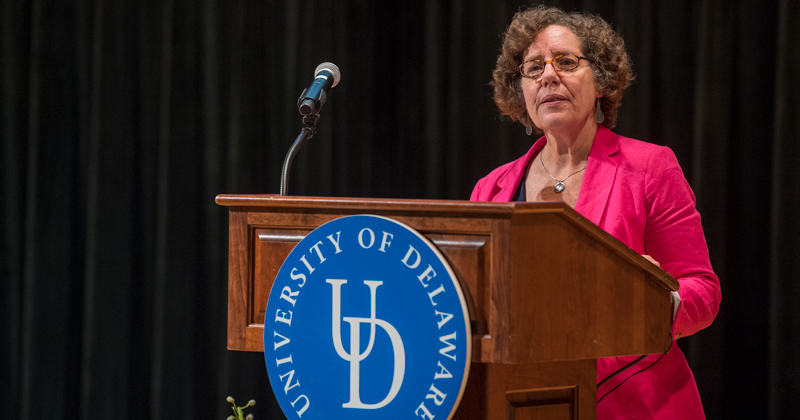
533,69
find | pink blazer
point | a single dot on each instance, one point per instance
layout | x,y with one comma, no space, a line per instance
636,191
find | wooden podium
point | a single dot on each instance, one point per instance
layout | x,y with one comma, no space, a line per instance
548,292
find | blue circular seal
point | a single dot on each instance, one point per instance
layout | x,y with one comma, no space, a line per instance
367,320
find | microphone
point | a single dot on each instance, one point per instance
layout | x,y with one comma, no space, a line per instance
326,76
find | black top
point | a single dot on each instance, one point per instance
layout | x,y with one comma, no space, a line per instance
520,195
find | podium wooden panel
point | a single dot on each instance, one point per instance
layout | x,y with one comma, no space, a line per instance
549,291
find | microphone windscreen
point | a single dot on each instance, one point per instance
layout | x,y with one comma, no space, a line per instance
330,67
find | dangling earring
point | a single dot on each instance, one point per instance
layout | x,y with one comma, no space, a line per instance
598,116
528,128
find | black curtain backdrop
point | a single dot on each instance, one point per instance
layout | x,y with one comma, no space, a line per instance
121,121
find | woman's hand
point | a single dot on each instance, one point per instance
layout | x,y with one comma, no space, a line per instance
675,298
649,258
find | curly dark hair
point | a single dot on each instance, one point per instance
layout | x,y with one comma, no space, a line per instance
600,43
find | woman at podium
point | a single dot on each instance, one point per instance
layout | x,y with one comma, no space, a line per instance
563,75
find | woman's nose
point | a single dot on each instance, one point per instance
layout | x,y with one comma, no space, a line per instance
549,74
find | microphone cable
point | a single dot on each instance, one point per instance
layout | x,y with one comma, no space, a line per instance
672,341
622,369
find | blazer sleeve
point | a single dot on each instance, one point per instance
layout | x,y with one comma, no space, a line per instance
478,192
674,237
486,189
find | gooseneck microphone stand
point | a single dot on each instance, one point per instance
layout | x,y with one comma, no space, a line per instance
308,131
312,99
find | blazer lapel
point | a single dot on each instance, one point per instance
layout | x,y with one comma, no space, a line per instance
601,169
509,182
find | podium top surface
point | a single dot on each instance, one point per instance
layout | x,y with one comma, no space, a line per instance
272,200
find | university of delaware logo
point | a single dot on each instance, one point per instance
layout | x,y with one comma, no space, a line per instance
366,320
355,356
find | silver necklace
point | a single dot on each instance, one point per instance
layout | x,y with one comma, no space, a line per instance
559,184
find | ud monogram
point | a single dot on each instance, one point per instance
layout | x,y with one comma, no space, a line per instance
340,344
355,356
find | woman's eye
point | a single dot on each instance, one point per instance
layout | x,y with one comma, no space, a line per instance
534,68
567,61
